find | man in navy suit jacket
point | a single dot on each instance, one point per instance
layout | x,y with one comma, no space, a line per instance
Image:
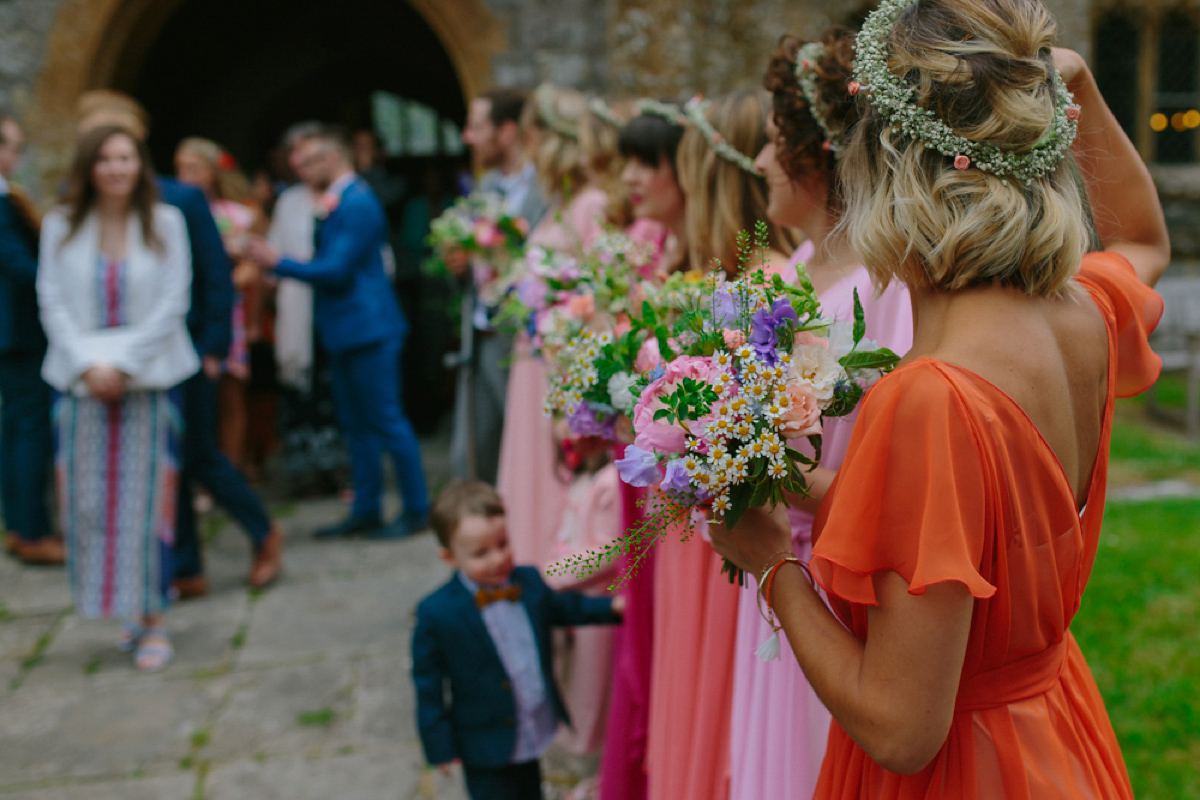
26,443
361,326
486,694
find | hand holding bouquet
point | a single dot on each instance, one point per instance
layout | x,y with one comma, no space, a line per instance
479,227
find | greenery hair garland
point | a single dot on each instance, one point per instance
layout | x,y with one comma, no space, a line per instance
696,111
807,58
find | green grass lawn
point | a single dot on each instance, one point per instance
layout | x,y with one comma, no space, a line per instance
1140,621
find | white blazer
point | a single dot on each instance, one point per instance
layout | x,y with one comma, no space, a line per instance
152,347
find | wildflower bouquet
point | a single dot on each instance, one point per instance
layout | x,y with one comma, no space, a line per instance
493,239
745,373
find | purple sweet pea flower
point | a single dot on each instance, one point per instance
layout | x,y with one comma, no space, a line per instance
531,291
639,467
677,479
764,323
586,421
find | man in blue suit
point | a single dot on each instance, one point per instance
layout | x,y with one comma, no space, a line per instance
209,322
360,325
26,443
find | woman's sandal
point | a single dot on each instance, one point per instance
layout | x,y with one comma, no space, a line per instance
154,651
131,634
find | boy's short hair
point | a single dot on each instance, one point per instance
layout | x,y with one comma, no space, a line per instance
462,498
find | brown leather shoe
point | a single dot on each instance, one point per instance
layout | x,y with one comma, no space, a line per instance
47,552
268,559
189,588
11,541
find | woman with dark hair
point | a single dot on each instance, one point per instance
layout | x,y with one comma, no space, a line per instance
113,289
957,539
779,724
649,144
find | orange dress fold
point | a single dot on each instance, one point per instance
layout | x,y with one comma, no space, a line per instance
953,482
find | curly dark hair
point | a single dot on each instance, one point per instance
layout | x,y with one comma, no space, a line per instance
801,145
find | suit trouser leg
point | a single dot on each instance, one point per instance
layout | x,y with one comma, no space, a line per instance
510,782
368,381
489,389
26,445
350,404
203,462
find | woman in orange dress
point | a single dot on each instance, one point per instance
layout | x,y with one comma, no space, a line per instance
957,539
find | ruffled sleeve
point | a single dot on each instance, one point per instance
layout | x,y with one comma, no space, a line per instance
1133,310
913,494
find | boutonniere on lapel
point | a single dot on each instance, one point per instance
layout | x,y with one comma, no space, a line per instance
326,205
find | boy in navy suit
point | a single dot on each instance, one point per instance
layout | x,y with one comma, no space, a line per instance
486,694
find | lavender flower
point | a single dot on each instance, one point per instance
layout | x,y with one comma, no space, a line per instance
724,309
677,478
639,467
588,421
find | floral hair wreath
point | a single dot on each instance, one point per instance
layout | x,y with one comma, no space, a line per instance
602,111
554,121
806,76
668,111
893,98
696,110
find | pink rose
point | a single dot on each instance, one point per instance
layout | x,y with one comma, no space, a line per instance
487,235
804,338
622,325
660,436
648,356
803,414
581,306
734,339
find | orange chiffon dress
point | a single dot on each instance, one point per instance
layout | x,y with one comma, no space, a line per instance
947,479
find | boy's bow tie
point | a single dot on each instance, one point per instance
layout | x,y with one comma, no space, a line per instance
485,597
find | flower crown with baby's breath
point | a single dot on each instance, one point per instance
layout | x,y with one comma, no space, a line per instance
554,121
894,99
602,111
807,58
696,110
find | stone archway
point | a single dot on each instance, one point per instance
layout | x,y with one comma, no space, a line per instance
104,43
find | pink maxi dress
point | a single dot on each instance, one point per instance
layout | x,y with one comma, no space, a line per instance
529,479
779,725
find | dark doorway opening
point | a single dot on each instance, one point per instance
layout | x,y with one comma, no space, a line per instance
240,73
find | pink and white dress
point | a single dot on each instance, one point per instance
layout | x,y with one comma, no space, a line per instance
779,725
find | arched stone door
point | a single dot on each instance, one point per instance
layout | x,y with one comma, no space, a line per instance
240,70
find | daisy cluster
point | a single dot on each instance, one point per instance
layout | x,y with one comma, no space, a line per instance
492,238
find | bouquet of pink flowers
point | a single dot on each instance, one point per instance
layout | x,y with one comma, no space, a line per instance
492,238
743,375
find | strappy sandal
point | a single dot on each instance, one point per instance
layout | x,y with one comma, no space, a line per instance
131,634
154,651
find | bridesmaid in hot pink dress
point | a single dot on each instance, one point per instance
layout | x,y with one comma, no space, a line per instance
695,605
779,725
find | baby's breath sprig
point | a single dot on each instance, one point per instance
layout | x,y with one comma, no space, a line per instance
894,99
601,110
657,108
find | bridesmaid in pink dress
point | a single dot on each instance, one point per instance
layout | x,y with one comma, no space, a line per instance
696,607
779,725
530,480
648,145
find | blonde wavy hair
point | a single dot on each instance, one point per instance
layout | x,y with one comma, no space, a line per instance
985,66
559,157
228,181
722,198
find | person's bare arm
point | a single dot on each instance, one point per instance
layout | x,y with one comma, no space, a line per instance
1129,217
893,694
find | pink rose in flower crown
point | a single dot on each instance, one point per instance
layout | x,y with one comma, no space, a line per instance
803,414
660,436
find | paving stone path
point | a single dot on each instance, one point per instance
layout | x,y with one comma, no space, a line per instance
299,692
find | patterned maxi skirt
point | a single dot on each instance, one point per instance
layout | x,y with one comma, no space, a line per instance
117,470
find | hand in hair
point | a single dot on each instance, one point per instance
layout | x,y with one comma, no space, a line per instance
1129,217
